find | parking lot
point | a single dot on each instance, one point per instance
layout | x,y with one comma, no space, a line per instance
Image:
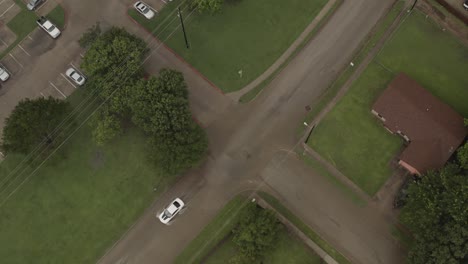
8,9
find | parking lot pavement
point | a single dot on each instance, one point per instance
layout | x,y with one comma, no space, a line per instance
46,7
8,10
7,37
38,43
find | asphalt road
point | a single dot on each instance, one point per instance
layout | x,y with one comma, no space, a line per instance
249,147
249,144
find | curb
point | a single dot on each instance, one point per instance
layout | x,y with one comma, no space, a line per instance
176,55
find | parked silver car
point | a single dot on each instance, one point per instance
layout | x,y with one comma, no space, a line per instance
33,4
4,75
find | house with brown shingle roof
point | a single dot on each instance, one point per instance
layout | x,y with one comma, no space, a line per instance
432,129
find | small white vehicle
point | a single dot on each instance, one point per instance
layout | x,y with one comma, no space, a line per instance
144,9
50,28
75,76
4,75
171,211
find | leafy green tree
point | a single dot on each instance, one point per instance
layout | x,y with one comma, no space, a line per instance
437,214
255,233
107,125
211,6
114,63
160,107
462,156
33,122
90,36
177,153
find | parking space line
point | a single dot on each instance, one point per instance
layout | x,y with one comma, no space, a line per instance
29,37
53,85
0,4
8,9
16,60
19,45
42,94
4,42
81,55
65,77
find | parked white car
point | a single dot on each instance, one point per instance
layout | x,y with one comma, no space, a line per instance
144,9
4,75
171,211
50,28
75,76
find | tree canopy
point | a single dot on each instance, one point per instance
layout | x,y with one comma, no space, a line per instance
211,6
255,233
437,214
160,107
113,62
33,122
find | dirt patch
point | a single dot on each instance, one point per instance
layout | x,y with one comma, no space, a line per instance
444,19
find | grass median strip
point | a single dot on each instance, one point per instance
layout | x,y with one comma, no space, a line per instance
57,16
304,228
368,44
252,94
213,233
288,249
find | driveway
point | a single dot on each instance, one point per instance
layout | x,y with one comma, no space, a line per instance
247,140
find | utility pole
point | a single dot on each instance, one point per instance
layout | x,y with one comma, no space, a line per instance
183,28
413,5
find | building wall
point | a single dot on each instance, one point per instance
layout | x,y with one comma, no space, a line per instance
409,168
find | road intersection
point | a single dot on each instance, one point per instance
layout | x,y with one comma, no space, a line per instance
251,146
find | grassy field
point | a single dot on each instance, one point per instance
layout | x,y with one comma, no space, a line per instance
351,139
272,201
245,36
252,94
287,250
57,16
78,203
213,233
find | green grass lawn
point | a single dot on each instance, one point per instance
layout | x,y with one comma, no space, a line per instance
287,250
247,35
213,233
79,203
57,16
296,221
22,24
351,139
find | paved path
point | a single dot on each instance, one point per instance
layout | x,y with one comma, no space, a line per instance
248,144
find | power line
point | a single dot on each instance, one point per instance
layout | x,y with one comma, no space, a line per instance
82,123
54,151
76,110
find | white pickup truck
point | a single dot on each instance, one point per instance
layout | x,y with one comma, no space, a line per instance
50,28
